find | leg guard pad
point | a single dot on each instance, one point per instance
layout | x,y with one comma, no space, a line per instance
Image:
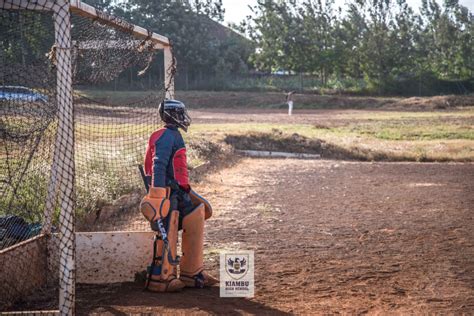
197,199
193,242
156,205
170,253
162,273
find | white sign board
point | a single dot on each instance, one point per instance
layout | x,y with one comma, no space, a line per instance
237,273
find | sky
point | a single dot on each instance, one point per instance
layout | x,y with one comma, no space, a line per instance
237,10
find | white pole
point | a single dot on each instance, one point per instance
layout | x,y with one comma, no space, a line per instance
169,72
65,164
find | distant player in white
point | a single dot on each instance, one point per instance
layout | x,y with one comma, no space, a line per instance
289,100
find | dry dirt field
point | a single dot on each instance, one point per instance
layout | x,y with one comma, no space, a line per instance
329,237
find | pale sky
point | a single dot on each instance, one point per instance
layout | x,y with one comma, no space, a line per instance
237,10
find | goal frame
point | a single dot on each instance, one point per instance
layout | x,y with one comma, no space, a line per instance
62,169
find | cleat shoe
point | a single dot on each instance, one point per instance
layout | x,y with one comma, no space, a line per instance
200,280
209,280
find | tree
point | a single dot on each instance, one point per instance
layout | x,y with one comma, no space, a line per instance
202,47
268,29
448,33
293,37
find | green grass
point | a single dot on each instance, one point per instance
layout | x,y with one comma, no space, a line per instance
415,130
368,131
117,97
461,113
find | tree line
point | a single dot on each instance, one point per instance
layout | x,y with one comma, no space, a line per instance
380,41
385,44
382,46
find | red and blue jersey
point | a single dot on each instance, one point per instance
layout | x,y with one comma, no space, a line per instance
165,158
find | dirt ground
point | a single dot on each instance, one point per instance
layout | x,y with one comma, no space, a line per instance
317,117
329,237
212,116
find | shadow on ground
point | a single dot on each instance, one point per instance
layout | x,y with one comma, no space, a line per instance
127,298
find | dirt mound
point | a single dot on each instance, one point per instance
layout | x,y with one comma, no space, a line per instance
437,102
295,143
212,155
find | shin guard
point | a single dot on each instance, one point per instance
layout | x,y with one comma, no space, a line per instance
193,246
161,275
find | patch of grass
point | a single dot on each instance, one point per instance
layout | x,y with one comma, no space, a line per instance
466,113
119,97
28,201
424,134
422,129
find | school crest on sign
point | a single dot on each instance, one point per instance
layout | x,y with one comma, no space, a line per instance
237,265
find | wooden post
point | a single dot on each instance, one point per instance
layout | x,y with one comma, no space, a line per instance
169,72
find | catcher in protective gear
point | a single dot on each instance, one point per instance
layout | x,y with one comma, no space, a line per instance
171,205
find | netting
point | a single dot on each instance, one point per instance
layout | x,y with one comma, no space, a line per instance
111,134
62,149
28,114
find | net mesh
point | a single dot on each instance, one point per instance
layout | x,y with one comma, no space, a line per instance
110,134
64,149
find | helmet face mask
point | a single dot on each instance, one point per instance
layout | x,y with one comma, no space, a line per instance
174,112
